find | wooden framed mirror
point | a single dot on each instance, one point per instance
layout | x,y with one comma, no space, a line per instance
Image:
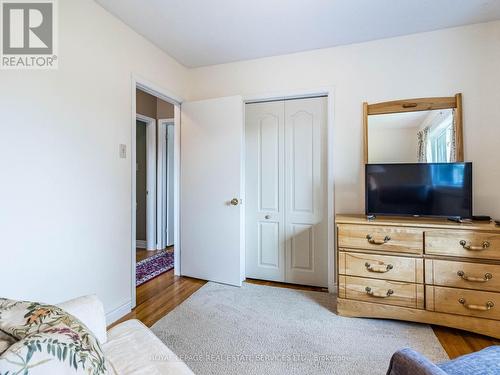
424,130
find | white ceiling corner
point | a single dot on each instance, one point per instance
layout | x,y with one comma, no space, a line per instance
206,32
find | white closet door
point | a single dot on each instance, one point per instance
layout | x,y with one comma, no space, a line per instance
305,191
265,236
211,230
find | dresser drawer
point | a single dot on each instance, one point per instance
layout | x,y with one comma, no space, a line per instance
463,302
382,291
462,243
462,274
382,238
381,267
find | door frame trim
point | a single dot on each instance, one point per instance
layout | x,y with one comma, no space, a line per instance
329,92
162,186
151,198
138,82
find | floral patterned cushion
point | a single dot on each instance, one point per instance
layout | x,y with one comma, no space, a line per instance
51,341
5,341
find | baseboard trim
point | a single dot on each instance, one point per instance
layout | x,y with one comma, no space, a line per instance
118,313
141,244
332,288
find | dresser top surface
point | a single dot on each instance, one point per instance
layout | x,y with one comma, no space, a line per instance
414,222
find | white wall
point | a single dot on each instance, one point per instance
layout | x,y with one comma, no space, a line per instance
441,63
65,209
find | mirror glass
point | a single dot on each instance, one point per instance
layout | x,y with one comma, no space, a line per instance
412,137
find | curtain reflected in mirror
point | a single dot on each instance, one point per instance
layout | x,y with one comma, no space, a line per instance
412,137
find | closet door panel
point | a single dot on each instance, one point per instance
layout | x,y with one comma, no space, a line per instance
302,247
268,150
305,192
268,244
301,164
264,133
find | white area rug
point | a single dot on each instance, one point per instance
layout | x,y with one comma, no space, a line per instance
265,330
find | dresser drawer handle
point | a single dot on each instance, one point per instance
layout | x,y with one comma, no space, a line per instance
487,306
485,278
373,241
370,292
467,246
378,268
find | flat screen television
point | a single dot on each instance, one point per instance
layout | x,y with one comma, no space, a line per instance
420,189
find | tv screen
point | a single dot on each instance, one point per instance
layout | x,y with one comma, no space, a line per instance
433,189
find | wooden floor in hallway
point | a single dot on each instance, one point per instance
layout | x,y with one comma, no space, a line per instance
159,296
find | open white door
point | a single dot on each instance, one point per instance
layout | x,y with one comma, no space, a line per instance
212,237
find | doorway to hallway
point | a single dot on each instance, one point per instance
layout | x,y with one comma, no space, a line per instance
154,187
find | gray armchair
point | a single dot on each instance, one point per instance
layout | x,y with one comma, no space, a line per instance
410,362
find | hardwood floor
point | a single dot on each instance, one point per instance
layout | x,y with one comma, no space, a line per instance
158,297
457,343
286,285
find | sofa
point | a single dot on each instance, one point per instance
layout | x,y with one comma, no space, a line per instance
130,348
410,362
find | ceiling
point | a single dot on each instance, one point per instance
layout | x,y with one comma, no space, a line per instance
207,32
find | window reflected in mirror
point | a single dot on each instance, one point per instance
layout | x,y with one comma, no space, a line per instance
412,137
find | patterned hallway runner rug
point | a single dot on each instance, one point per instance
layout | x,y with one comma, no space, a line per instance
151,267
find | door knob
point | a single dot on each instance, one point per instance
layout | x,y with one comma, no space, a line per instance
234,202
267,217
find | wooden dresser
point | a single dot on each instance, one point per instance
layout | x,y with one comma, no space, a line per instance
421,270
